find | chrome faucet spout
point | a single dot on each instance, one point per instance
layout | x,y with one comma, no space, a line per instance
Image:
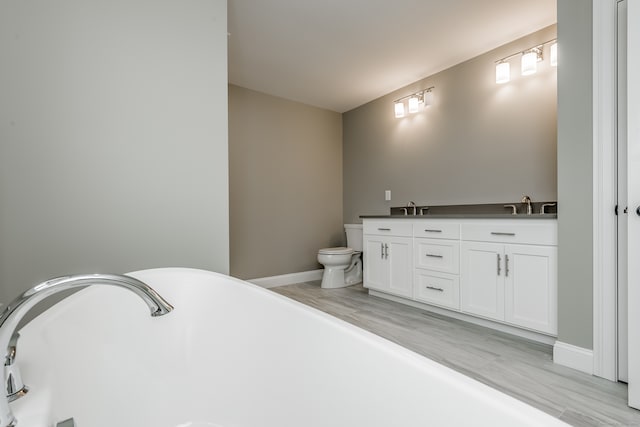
16,310
412,204
527,201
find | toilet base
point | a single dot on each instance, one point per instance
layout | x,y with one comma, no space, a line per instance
333,278
343,276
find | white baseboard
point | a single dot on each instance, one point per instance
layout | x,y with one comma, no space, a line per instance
287,279
574,357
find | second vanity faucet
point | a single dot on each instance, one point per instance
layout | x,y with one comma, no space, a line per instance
527,200
412,204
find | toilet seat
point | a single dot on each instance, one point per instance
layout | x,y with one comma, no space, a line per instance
336,251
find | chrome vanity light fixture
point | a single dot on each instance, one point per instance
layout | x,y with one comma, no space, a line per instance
529,61
415,101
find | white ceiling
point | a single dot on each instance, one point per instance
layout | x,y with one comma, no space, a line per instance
340,54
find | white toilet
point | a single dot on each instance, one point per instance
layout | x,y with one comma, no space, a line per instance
343,266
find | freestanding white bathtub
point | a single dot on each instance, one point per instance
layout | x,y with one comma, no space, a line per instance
232,354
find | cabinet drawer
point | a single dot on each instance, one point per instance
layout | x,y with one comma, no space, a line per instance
388,228
510,232
437,288
439,255
436,229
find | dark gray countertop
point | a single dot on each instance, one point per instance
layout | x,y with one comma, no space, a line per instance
463,216
477,211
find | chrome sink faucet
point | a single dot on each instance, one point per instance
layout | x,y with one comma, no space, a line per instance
527,200
412,204
16,310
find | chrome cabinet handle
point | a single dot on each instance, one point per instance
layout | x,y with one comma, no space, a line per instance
500,233
381,250
506,265
433,231
435,289
386,251
384,229
498,264
435,256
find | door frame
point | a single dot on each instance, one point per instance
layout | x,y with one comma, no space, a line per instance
633,191
604,188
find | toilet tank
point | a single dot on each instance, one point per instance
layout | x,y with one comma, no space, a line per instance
354,236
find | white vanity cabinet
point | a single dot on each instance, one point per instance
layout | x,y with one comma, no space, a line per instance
388,257
503,270
511,276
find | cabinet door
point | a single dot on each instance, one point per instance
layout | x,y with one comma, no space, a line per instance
400,252
482,280
531,287
376,267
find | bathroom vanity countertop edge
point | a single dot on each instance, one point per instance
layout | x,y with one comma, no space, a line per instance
463,216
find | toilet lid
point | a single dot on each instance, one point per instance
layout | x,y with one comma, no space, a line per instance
336,251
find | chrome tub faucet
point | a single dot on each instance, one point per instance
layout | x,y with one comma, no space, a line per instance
16,310
15,388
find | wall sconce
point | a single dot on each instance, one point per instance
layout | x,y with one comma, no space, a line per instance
553,52
529,61
503,72
414,104
414,101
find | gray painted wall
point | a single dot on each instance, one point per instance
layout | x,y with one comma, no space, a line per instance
285,170
575,173
479,143
113,135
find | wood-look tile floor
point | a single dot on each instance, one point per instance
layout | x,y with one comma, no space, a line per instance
515,366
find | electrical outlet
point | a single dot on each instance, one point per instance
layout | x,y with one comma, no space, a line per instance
387,195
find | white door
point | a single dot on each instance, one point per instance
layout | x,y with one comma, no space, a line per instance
633,196
400,258
531,287
376,267
482,279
